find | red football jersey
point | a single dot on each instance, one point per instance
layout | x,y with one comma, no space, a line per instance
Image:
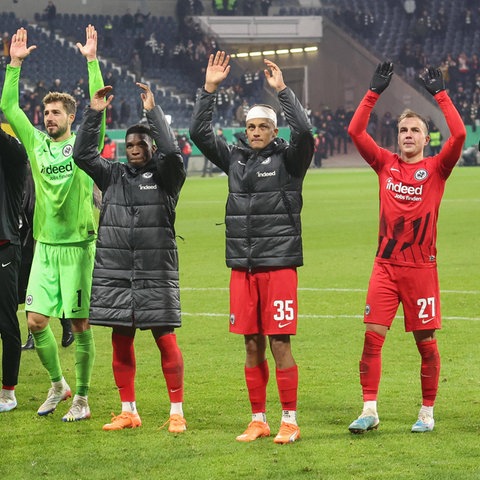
409,193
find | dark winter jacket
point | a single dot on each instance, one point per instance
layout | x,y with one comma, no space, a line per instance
13,167
135,278
263,227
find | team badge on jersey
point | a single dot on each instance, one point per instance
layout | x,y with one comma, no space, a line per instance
67,151
420,174
147,175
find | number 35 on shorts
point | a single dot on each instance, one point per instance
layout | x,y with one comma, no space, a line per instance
284,311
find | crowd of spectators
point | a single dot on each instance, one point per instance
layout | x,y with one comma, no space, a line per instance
178,47
183,53
425,33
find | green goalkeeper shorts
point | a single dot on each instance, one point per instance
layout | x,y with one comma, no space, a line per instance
61,280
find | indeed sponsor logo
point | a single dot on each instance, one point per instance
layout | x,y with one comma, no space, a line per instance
266,174
404,192
404,189
54,170
148,187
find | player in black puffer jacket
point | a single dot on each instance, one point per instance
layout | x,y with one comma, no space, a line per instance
135,277
263,235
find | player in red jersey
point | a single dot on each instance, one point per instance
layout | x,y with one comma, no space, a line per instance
405,268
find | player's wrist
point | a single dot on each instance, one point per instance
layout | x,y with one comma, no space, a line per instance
210,87
16,62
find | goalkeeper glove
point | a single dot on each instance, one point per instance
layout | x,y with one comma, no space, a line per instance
381,78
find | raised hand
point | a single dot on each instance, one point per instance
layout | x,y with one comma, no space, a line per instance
89,50
381,78
18,48
274,76
147,96
217,70
100,101
433,80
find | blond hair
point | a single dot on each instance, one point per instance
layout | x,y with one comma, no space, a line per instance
407,113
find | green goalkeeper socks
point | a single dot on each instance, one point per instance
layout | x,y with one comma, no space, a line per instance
47,350
84,360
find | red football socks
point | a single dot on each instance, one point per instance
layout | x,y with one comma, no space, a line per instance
124,366
172,366
257,380
430,371
287,382
371,365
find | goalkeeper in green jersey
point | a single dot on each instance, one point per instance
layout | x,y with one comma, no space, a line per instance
63,226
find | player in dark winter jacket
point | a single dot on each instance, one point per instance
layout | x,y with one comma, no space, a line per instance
135,277
263,235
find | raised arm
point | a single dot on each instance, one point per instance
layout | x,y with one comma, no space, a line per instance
168,157
452,148
101,99
201,130
217,71
86,154
19,50
365,144
10,101
89,50
274,76
95,79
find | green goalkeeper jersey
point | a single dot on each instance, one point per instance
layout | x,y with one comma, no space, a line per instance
63,205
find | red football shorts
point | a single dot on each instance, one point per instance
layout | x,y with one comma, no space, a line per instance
417,289
264,301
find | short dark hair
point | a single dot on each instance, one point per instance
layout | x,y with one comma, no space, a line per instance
139,128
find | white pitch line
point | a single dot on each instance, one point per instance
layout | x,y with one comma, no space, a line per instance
325,317
306,289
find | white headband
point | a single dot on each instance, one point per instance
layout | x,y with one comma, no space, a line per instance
259,111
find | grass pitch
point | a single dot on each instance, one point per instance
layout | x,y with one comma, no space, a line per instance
340,230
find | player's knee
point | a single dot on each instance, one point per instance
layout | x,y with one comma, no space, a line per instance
36,321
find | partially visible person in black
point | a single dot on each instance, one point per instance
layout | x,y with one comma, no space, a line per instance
27,245
13,164
50,16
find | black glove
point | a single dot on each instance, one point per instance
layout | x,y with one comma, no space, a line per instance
381,78
433,80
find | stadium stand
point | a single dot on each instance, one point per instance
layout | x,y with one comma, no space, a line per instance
172,56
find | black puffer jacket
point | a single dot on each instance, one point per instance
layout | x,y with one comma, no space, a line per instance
263,227
13,167
135,278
